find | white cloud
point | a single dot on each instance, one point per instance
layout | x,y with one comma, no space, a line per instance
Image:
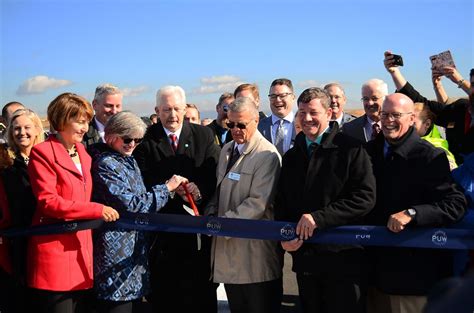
224,79
308,83
40,84
132,92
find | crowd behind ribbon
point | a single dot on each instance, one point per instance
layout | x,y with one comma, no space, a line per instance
407,162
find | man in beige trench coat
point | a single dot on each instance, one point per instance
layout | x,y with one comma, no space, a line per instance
247,173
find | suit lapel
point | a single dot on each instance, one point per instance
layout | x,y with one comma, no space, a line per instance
62,157
163,144
185,140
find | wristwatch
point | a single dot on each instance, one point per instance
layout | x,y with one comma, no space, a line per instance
460,82
411,213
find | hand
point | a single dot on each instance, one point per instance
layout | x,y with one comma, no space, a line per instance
451,73
193,189
306,226
174,182
398,221
436,77
292,245
109,214
388,62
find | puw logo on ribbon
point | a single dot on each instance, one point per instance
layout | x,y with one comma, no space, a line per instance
288,232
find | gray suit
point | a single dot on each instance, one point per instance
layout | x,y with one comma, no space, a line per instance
265,128
346,118
355,128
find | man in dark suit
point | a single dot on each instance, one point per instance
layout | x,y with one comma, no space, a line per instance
456,117
338,102
279,127
367,126
107,102
222,134
414,189
180,263
326,181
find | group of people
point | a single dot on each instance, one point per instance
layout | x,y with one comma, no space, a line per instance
320,168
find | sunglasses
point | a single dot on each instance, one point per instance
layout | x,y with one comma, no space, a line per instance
127,140
231,125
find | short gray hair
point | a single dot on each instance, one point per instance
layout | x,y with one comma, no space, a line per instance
242,104
124,124
104,90
177,91
381,86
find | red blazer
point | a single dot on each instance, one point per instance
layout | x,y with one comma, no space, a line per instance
5,262
61,262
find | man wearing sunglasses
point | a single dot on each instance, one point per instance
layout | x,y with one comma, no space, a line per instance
279,127
180,263
247,173
222,135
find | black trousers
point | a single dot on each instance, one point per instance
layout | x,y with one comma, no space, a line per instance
47,301
340,286
264,297
183,282
104,306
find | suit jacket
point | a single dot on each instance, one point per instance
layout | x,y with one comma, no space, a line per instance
452,117
92,136
346,118
217,138
61,262
196,159
238,260
335,185
265,128
417,175
355,128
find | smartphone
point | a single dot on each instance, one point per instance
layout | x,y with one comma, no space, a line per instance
397,60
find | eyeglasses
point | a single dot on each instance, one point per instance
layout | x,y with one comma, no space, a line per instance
169,110
225,108
127,140
281,96
231,125
373,99
394,115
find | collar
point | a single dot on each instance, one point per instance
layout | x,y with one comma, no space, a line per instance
177,133
100,126
339,119
371,121
289,118
318,139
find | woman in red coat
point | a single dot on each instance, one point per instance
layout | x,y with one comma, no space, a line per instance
60,265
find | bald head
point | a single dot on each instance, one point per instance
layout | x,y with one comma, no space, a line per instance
397,116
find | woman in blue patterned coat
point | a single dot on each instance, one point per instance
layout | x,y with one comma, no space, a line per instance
121,275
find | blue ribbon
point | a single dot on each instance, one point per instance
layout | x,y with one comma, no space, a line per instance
461,236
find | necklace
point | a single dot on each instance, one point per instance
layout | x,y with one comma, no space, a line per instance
73,154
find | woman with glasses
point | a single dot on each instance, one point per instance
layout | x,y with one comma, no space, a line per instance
60,264
23,132
121,256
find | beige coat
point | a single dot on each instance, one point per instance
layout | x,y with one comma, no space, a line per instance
236,260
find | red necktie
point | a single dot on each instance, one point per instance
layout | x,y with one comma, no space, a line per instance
375,130
174,142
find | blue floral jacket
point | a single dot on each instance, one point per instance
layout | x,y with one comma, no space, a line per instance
121,256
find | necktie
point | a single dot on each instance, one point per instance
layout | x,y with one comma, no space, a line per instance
235,156
174,142
280,137
375,130
311,148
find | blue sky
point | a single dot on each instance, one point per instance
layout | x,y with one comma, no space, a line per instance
208,47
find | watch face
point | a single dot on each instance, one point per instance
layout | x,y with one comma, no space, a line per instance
411,212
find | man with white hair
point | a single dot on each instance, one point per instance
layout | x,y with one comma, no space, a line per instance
367,126
338,102
107,102
180,263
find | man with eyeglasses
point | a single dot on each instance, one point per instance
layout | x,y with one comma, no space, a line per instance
326,181
367,126
414,189
279,127
248,170
222,135
338,102
180,263
107,102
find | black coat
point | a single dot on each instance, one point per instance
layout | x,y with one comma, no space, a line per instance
335,185
217,138
416,176
196,159
450,116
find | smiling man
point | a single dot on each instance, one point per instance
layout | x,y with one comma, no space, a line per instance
107,102
367,126
326,180
414,189
338,102
279,127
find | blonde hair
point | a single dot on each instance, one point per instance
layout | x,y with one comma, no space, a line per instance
36,121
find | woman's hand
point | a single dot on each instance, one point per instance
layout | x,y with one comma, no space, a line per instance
174,182
109,214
